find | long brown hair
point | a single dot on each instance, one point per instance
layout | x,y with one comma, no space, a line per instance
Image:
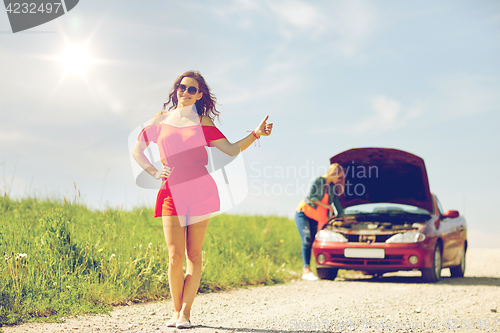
204,106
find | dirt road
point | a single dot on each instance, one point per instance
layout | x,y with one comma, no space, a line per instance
389,304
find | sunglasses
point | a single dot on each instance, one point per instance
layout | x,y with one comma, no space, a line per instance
191,90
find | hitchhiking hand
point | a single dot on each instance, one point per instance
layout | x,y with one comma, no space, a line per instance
264,129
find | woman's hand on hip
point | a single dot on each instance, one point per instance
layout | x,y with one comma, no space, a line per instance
264,128
163,173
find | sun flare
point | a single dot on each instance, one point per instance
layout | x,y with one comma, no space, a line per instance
76,59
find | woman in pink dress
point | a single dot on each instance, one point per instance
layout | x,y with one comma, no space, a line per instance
188,194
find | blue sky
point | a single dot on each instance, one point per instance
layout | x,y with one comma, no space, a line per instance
421,76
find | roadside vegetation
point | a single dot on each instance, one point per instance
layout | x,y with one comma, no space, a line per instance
60,258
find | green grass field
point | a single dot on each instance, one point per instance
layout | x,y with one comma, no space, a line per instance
60,259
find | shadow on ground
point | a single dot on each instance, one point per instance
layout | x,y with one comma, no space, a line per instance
465,281
242,329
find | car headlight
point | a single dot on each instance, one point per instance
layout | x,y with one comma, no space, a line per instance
407,237
330,236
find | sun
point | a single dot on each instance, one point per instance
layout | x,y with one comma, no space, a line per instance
76,59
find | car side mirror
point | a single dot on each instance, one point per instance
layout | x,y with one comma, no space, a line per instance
451,214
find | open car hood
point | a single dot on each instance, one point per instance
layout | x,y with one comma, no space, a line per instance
384,175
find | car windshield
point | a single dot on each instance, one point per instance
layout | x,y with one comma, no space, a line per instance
385,208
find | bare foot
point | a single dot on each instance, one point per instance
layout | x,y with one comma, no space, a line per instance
175,316
183,317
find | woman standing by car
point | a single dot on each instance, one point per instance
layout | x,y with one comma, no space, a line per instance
315,210
188,194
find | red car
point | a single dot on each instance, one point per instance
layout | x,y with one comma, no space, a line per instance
392,222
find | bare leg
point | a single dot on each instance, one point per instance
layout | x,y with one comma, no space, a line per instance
176,243
194,243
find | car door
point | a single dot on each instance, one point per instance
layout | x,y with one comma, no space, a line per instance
449,228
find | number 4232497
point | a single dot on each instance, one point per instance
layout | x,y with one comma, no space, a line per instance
33,8
485,324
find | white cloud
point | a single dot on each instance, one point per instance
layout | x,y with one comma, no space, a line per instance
353,22
453,97
343,26
278,77
299,15
387,114
239,10
11,136
387,109
461,95
271,85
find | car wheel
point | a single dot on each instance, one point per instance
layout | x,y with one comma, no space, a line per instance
327,273
433,274
459,271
